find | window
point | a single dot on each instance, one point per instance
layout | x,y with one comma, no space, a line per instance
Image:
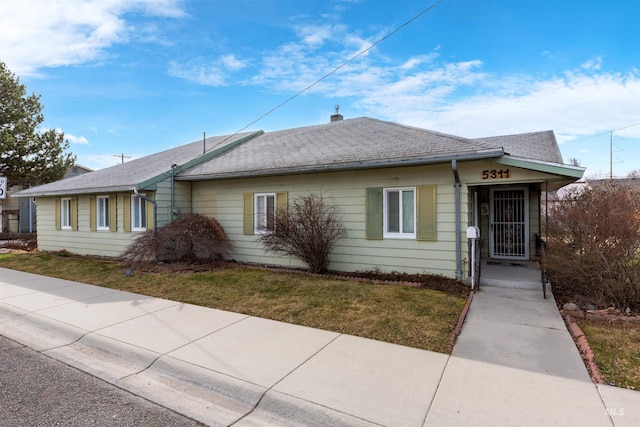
102,213
259,211
405,213
400,212
264,212
65,214
138,214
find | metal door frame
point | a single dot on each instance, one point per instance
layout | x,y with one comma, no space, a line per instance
525,224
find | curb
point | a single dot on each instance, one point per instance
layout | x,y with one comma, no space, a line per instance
585,349
458,328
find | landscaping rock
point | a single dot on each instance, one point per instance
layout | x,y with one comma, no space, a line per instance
571,307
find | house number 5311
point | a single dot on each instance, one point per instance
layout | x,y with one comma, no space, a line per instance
496,174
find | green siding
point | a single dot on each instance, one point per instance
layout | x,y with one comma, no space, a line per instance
348,191
231,203
83,240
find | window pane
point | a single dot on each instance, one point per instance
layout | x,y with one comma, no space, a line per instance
135,212
143,213
103,212
393,212
260,212
66,213
408,213
270,214
138,213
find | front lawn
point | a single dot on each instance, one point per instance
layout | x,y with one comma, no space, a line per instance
616,346
412,316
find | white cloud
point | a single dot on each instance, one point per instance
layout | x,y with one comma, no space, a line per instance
231,62
208,75
573,105
81,140
44,33
415,61
592,64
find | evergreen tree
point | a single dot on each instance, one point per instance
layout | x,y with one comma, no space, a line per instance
28,156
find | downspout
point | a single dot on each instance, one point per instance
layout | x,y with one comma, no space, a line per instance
454,167
173,199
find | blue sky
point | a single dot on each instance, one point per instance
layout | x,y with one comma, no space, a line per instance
135,77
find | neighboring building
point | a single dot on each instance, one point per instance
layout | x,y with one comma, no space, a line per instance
19,215
632,182
406,195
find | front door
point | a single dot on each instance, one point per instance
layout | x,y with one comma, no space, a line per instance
509,224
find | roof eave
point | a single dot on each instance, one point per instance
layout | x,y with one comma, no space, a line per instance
568,171
151,183
336,167
74,192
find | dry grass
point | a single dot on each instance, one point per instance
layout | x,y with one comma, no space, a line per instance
415,317
616,346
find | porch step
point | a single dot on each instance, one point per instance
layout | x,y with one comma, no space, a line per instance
512,275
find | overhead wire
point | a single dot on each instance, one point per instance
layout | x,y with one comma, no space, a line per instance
602,133
335,70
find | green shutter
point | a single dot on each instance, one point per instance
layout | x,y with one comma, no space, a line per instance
282,201
93,213
58,218
426,205
247,213
374,214
74,213
113,212
126,211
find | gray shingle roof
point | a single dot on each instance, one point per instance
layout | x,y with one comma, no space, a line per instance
343,144
128,175
535,145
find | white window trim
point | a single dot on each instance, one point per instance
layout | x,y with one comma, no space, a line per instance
134,200
65,220
389,235
102,227
256,196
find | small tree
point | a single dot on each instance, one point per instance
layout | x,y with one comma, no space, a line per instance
594,245
190,238
307,230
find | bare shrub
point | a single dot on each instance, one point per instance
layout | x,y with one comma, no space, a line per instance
190,238
20,241
594,245
307,230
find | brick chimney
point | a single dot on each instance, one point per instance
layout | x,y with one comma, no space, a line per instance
337,116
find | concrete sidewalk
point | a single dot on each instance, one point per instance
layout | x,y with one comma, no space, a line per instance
514,362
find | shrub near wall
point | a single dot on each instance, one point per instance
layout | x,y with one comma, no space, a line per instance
594,245
190,238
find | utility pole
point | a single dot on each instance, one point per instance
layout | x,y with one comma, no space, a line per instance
122,157
611,155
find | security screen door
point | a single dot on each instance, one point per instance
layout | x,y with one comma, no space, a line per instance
509,224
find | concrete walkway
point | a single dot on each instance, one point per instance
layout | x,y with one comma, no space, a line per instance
514,363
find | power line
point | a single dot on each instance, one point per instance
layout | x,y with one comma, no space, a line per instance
335,70
603,133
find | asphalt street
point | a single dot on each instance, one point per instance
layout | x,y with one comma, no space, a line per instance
36,390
